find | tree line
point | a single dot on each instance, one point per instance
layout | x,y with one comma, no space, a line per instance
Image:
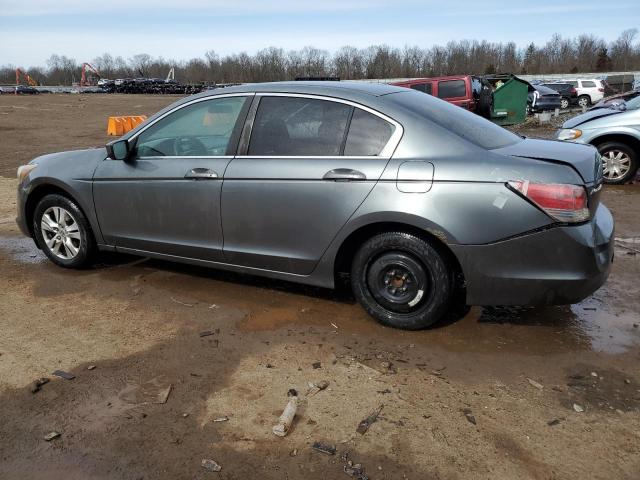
585,53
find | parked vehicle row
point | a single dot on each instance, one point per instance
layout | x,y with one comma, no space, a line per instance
412,198
19,90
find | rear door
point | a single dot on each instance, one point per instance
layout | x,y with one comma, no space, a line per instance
306,163
166,198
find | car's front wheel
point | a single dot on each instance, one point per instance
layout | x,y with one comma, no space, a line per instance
63,232
401,280
619,162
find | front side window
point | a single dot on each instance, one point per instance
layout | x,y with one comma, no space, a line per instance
201,129
296,126
451,89
368,134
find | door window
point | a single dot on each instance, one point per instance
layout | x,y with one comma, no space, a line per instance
198,130
368,134
296,126
452,89
422,87
588,84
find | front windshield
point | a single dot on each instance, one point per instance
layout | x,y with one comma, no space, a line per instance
633,104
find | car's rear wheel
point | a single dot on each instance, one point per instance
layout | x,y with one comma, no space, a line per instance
401,280
619,162
584,100
564,103
63,232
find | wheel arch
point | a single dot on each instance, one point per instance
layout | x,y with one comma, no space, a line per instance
626,138
351,243
41,190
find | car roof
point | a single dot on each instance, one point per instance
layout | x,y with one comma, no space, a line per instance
341,89
432,79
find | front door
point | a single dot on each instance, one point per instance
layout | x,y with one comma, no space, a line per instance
309,164
166,198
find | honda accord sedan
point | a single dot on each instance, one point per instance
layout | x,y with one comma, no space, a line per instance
415,200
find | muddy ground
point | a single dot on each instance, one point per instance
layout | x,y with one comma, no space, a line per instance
457,400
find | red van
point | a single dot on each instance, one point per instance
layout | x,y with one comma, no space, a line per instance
465,91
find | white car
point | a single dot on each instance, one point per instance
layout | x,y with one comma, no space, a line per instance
589,90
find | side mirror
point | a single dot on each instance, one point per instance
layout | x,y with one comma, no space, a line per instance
118,150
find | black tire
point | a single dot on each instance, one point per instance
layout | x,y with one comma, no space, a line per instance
564,103
609,147
86,244
584,100
402,281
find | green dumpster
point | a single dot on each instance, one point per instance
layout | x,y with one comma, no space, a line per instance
509,99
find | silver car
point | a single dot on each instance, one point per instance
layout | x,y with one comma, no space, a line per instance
418,201
615,131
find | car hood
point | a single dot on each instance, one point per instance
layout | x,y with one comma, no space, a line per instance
590,115
581,158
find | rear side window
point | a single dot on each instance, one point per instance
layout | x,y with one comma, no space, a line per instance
573,83
452,88
588,84
422,87
290,126
368,134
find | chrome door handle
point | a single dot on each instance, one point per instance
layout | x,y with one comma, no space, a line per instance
344,175
201,173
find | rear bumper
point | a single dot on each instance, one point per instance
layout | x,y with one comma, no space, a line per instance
560,265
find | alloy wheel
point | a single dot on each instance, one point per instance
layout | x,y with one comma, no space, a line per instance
61,233
583,101
615,164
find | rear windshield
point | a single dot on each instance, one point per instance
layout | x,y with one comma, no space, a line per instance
461,122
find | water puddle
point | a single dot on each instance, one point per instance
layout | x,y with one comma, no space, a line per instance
597,324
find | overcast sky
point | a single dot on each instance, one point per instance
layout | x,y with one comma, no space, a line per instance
30,31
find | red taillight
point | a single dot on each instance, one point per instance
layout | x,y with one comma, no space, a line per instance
563,202
573,90
601,89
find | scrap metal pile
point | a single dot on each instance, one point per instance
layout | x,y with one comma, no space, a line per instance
150,86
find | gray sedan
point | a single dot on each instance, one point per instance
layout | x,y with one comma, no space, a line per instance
615,131
417,201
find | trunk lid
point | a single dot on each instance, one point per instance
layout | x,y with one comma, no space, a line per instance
584,159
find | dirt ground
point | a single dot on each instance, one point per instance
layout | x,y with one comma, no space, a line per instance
487,394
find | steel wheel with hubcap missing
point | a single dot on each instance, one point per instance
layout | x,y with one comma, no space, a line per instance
619,162
62,231
397,281
401,280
